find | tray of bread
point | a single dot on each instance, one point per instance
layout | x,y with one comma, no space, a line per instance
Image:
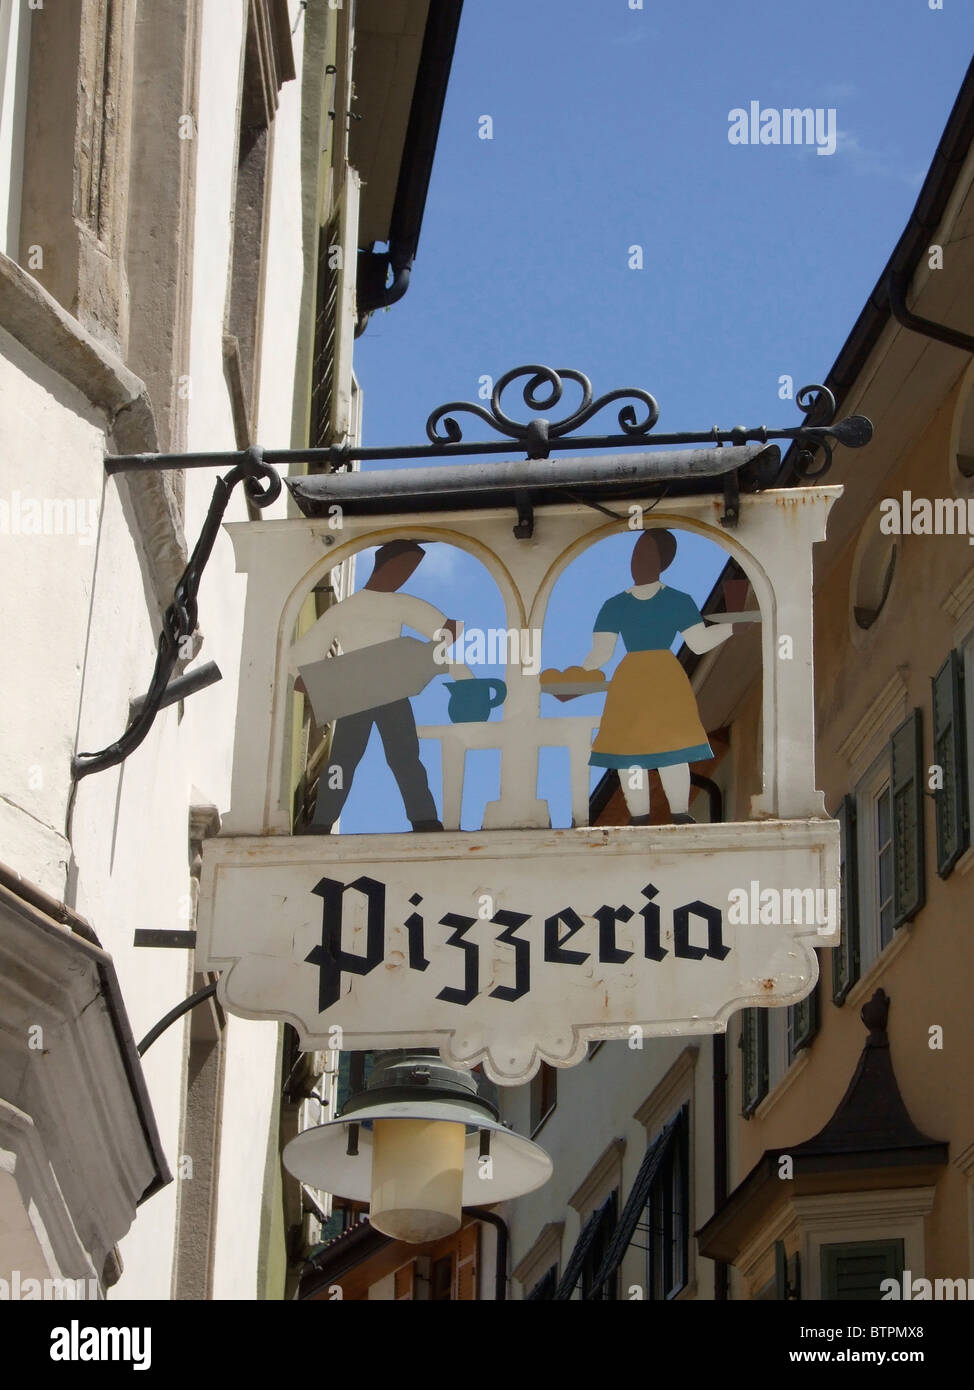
574,680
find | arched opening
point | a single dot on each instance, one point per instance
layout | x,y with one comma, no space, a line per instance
873,570
389,731
624,617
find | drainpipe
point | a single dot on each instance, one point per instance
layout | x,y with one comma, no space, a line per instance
503,1241
719,1059
897,284
721,1282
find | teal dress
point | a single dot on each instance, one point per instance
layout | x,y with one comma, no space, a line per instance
650,717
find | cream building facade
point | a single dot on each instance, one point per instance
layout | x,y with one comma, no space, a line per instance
818,1149
191,197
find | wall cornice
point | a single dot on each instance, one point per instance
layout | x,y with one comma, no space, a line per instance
42,326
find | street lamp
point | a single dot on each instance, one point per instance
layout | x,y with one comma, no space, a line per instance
419,1144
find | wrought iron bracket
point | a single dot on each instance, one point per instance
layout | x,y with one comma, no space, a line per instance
262,485
732,500
539,435
524,529
544,388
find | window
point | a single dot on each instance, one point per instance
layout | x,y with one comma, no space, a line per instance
801,1024
354,1070
668,1215
597,1230
754,1059
15,21
331,413
544,1290
268,62
441,1280
770,1041
950,740
544,1095
856,1271
881,829
596,1253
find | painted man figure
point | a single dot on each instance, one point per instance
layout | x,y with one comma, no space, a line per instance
373,684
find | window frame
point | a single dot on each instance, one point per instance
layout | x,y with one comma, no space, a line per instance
899,769
876,783
596,1251
676,1163
758,1018
828,1255
545,1081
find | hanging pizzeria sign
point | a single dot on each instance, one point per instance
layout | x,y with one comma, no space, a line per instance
509,943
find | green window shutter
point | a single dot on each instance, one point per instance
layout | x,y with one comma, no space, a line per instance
950,754
754,1059
856,1271
845,957
802,1023
906,786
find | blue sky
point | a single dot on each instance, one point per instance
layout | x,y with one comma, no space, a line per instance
610,130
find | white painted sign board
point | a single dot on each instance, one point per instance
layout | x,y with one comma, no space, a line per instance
513,948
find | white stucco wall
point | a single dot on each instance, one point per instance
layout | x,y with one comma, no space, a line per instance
82,644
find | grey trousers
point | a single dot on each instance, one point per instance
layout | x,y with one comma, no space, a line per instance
397,729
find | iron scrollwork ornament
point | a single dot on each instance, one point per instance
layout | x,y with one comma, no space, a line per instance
536,434
545,387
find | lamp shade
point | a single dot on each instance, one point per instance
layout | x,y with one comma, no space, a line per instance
419,1144
318,1156
417,1178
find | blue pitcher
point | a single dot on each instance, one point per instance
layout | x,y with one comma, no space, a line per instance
471,701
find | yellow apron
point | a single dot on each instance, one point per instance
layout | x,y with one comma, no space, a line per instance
650,717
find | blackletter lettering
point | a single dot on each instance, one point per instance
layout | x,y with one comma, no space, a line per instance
329,957
607,918
471,952
681,932
650,915
414,930
554,948
522,954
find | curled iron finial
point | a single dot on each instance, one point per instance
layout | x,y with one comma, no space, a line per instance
818,403
543,390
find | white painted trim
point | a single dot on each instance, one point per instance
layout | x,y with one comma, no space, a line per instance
545,1252
675,1089
868,983
23,1154
837,1218
788,1078
885,713
604,1175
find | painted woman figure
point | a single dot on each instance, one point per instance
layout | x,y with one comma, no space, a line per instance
650,718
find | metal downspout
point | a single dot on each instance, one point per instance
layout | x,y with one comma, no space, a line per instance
503,1241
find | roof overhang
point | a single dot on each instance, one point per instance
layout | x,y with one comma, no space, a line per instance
762,1194
403,54
84,1095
